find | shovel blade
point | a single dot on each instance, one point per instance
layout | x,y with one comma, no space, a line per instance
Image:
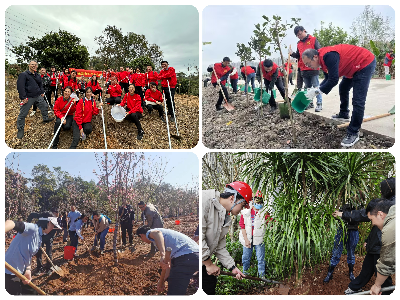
177,137
228,106
58,270
283,289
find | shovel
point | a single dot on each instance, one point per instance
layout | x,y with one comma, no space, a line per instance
22,277
390,112
385,289
55,268
227,105
177,136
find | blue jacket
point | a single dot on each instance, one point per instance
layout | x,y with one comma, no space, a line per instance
29,85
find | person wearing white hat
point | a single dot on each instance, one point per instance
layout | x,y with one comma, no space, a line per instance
23,247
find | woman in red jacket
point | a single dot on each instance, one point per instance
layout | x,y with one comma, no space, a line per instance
85,109
153,99
61,106
115,92
64,79
139,82
134,109
95,85
73,83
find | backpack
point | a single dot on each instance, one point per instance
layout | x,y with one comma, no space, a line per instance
109,220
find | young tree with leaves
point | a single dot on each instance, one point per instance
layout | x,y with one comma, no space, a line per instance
244,53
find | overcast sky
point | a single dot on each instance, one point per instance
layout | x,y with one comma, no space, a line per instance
236,24
174,28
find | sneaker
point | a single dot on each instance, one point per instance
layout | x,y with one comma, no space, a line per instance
32,113
140,134
48,120
101,252
273,108
230,100
219,108
350,139
20,133
311,105
162,119
341,115
172,119
349,291
319,107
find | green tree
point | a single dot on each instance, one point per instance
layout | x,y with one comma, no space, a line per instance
244,53
60,49
142,62
331,35
44,185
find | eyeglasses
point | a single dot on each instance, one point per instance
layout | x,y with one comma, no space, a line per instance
308,64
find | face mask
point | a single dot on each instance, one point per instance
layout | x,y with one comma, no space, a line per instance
258,206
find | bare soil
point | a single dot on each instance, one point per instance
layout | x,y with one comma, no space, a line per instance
38,135
97,275
245,128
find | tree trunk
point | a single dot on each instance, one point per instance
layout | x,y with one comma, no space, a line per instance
245,80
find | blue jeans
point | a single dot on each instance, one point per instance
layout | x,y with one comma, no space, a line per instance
102,239
250,77
312,82
260,253
234,85
350,239
360,84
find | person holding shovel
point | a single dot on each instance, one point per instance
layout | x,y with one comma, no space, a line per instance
82,125
72,216
270,73
134,110
154,99
154,219
183,260
168,79
249,74
30,90
389,57
223,72
101,225
79,224
356,65
126,220
63,105
23,247
252,231
217,211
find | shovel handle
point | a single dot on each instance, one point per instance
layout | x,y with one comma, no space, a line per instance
250,277
385,289
223,94
48,258
366,120
22,277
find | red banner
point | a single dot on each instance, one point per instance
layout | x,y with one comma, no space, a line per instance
86,73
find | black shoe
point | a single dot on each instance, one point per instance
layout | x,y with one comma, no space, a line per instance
48,120
350,139
172,119
140,134
330,274
219,108
351,275
150,111
273,108
162,119
341,115
54,147
20,133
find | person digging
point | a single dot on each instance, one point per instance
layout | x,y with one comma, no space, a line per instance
101,225
180,263
356,65
223,71
217,209
154,220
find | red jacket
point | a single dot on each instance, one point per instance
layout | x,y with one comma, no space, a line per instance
85,109
221,71
268,75
94,87
236,76
150,77
168,74
138,79
108,75
123,76
64,80
82,84
61,107
352,58
290,68
53,77
73,84
248,69
389,59
309,43
153,96
134,103
114,90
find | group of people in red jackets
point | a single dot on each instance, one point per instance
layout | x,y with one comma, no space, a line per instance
356,66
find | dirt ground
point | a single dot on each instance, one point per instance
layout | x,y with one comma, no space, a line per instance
38,135
312,281
97,275
243,128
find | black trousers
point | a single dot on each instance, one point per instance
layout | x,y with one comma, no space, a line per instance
157,107
368,269
209,282
134,118
126,226
97,92
66,126
124,86
170,100
139,91
14,286
221,97
114,100
53,89
87,129
281,89
182,269
299,80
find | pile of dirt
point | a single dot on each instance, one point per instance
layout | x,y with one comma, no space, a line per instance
312,281
97,275
38,135
245,128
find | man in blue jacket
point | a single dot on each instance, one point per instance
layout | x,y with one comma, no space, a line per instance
30,89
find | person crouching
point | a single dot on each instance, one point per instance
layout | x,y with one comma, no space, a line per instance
134,109
154,99
82,125
115,92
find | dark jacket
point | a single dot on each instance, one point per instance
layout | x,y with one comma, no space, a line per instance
127,215
29,85
46,83
351,223
373,241
359,215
